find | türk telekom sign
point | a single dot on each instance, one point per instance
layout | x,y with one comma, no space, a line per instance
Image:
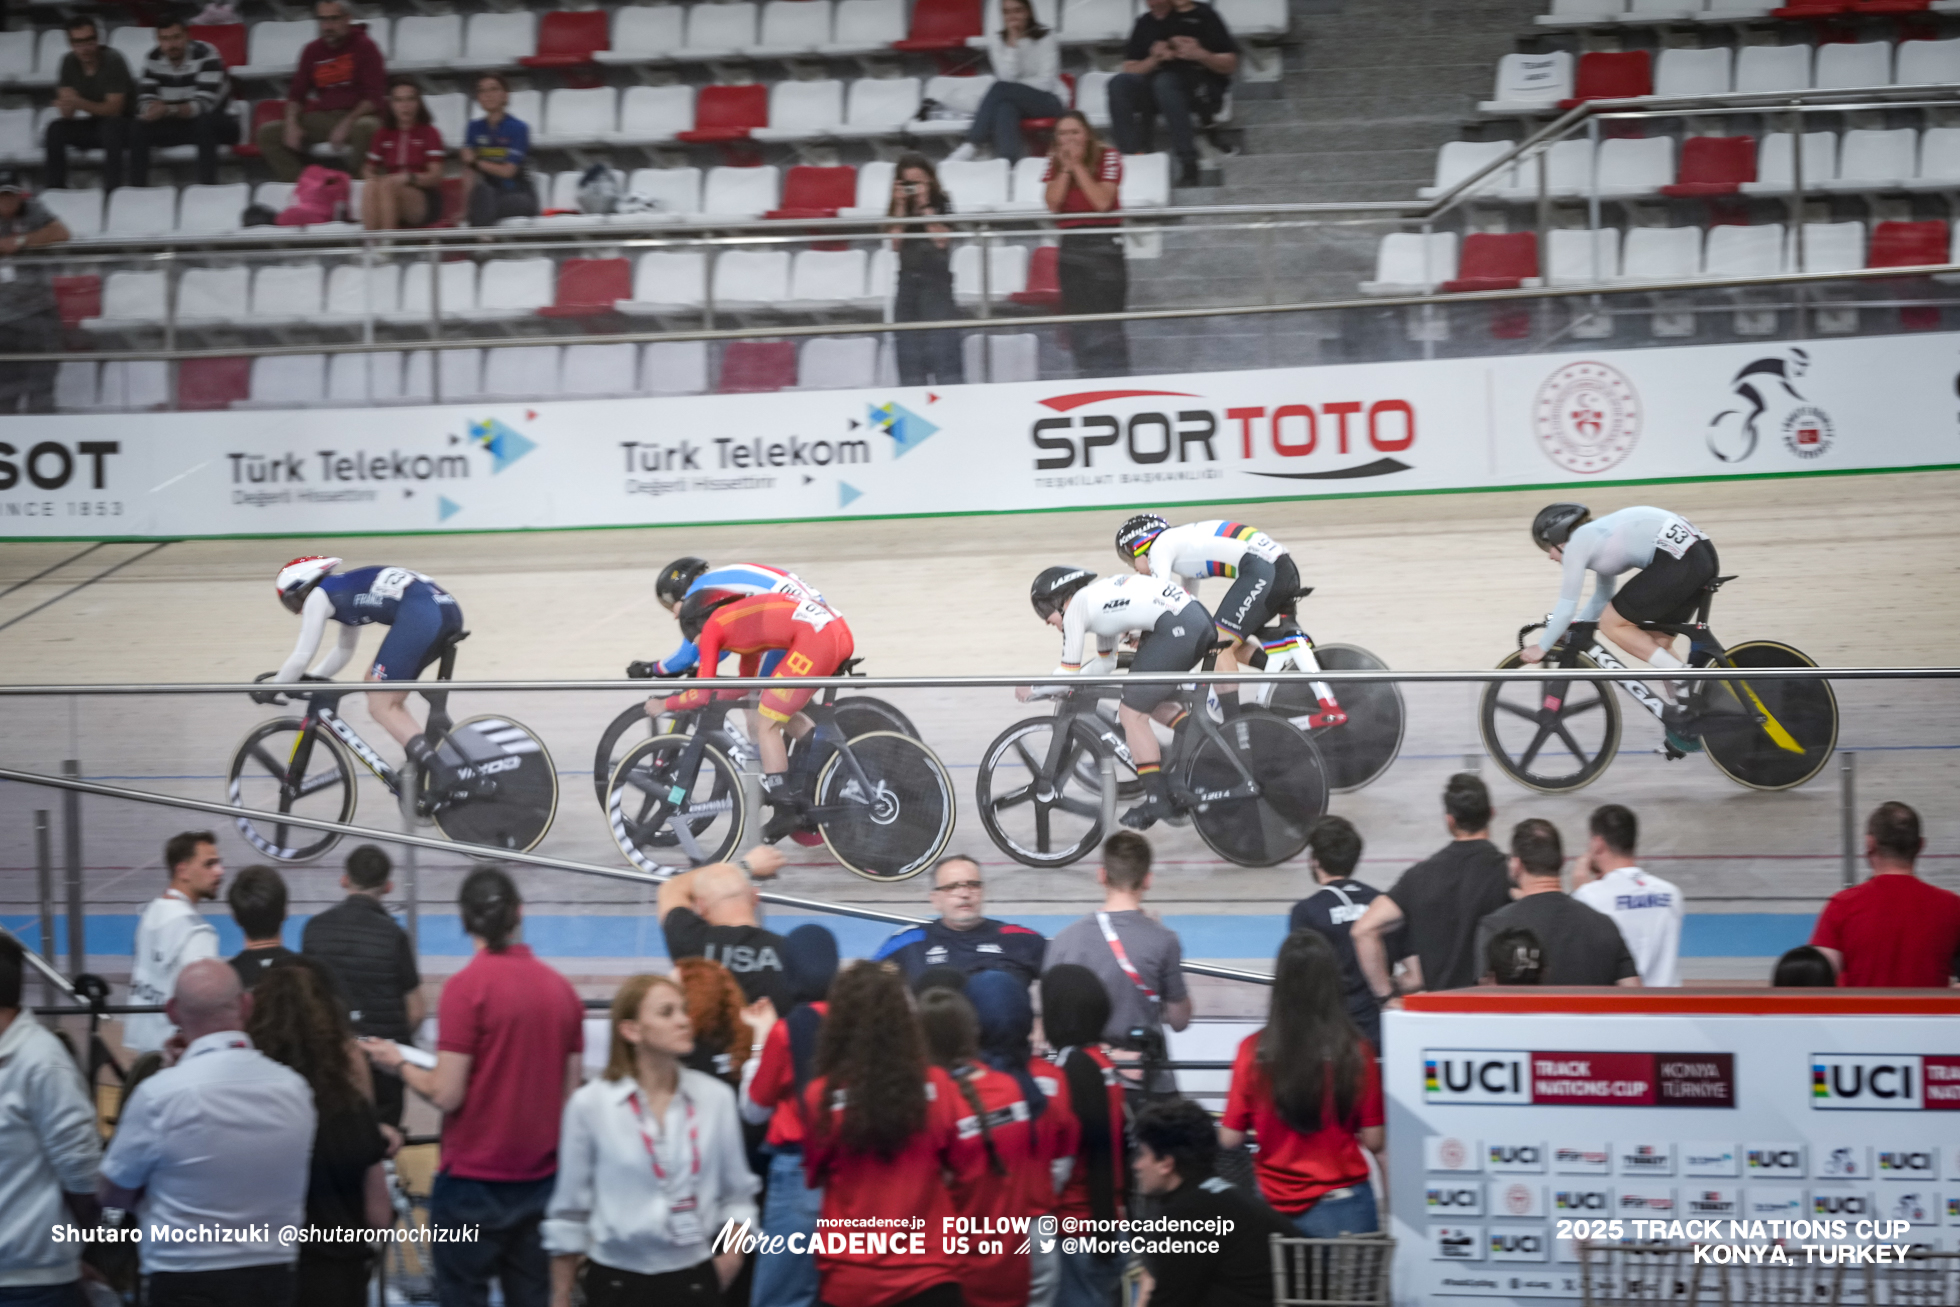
1578,1079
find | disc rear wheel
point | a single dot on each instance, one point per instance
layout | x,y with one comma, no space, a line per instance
895,828
325,787
1767,734
1361,748
513,786
1267,828
1553,735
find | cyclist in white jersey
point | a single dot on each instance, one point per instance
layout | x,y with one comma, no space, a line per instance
1263,575
1174,632
1675,562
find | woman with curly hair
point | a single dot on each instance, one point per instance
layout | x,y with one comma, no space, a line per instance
884,1134
722,1037
295,1021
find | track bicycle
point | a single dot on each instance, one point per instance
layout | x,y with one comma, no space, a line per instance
1558,735
883,803
857,714
497,788
1048,786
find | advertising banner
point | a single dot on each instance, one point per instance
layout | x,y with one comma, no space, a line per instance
1636,415
1513,1133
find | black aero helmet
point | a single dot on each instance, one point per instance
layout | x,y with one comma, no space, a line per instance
1555,524
1135,535
694,612
1055,586
676,577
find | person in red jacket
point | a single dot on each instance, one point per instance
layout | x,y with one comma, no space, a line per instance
404,165
815,641
883,1137
1074,1010
1894,930
335,96
1308,1088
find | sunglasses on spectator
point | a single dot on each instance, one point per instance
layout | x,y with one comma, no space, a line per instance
956,885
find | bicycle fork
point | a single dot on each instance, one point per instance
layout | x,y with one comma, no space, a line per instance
1293,648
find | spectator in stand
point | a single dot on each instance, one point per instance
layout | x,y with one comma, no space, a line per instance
650,1167
94,95
1582,946
372,963
183,97
1894,930
1084,176
1440,899
884,1141
710,912
495,150
925,276
257,898
1333,848
964,937
1137,958
1074,1012
1179,63
170,935
296,1021
1307,1087
1647,909
404,165
1514,957
220,1141
1177,1165
1027,64
1804,967
51,1151
783,1071
25,222
335,97
511,1038
722,1038
30,322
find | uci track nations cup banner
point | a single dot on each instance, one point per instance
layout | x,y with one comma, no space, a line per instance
1705,411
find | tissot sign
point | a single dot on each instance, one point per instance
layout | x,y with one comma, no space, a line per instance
1159,441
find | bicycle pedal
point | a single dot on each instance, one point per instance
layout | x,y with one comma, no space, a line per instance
809,839
1322,719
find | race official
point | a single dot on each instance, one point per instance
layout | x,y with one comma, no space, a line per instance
1647,909
964,937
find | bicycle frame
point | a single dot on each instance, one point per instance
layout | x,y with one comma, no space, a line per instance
320,711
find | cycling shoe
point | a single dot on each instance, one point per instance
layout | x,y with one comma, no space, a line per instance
1680,746
1148,813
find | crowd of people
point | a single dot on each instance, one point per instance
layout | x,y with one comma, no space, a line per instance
764,1097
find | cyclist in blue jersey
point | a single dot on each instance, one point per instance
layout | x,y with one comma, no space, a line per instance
686,576
419,614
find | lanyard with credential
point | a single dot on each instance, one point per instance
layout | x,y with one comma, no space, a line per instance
653,1153
1123,957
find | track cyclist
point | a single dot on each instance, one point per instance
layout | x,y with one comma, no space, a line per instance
812,640
686,576
419,614
1675,561
1174,634
1263,580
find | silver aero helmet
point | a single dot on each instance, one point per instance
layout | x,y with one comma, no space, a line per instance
1135,535
1055,586
1555,524
297,579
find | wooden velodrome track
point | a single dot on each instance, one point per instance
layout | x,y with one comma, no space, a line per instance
1855,570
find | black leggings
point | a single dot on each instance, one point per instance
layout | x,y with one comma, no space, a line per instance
606,1287
939,1295
1094,279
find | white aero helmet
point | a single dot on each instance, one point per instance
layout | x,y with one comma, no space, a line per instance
297,579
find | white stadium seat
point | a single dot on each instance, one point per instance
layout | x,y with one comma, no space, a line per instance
137,385
357,292
1007,272
1875,161
751,280
288,293
977,185
882,282
800,111
1567,167
1582,13
1928,63
287,381
654,113
364,378
958,100
1635,165
675,190
48,54
1729,11
874,189
1939,160
1027,190
675,367
1765,69
521,372
1574,260
1775,163
460,371
1662,11
598,371
427,42
1092,97
827,280
141,211
17,139
508,289
1458,160
740,192
1254,18
1854,67
80,211
450,112
525,106
275,47
1661,254
1085,22
75,386
837,363
877,106
17,54
668,282
866,26
1146,181
792,27
719,30
1527,83
494,40
1681,73
1829,247
210,210
210,295
1010,357
456,285
580,116
135,43
1755,251
130,299
644,34
1406,264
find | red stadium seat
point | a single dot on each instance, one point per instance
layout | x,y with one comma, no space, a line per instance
1037,132
567,39
204,384
589,286
816,192
76,298
455,200
942,25
751,366
1908,245
227,38
1714,165
728,113
1813,9
1044,288
1495,261
1611,75
263,112
1889,6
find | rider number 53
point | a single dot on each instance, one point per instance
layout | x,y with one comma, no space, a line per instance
1591,1230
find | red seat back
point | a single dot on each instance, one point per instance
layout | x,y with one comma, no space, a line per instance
1908,244
1044,288
588,286
213,383
263,112
942,24
76,298
576,34
1613,75
731,108
1720,160
749,366
814,192
1498,256
227,38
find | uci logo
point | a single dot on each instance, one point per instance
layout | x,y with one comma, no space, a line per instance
1463,1076
1442,1198
1580,1200
1518,1242
1517,1156
1779,1159
1841,1205
1906,1163
1868,1083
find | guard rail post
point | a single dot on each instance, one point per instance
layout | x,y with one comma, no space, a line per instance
44,883
1848,814
71,838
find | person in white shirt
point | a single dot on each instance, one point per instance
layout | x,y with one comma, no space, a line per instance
219,1141
1647,909
650,1166
1027,62
49,1141
171,935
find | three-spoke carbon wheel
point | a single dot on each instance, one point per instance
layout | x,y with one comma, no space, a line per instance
1359,750
622,733
1044,791
1271,826
893,823
275,769
659,817
1554,735
1767,734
